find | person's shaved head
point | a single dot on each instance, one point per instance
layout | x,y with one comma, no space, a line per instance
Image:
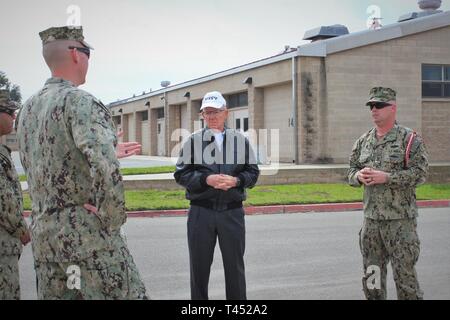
57,54
66,63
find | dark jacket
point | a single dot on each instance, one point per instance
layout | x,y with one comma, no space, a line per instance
200,158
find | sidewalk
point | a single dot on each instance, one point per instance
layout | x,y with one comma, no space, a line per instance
270,175
281,209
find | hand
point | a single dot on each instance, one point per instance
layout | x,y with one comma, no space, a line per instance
227,183
222,182
371,177
25,238
126,149
90,208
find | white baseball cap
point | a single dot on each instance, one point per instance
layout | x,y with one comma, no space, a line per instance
214,100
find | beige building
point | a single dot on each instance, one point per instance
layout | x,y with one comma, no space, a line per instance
314,95
9,140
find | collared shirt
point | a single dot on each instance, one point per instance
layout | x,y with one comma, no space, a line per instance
218,139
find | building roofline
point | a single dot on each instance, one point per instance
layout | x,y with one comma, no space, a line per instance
319,49
368,37
245,67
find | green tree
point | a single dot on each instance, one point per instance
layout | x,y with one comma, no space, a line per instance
14,90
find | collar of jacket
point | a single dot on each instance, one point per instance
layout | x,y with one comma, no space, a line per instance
224,132
6,148
55,80
389,137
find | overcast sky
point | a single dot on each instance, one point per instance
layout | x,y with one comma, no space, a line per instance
139,43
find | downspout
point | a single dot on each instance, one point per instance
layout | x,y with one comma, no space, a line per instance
294,122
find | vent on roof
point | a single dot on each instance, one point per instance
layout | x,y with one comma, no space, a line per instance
325,32
165,84
429,7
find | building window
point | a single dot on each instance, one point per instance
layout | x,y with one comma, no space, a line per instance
245,124
237,100
118,120
435,81
160,113
144,115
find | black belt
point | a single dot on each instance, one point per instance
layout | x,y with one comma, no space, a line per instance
211,205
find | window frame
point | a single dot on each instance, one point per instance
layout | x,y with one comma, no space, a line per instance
443,82
237,100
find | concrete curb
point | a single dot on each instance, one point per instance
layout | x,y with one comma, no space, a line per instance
287,209
280,209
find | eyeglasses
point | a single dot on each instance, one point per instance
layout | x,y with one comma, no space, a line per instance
85,50
379,105
211,114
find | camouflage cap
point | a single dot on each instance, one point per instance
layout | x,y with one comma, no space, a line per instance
6,104
64,33
380,94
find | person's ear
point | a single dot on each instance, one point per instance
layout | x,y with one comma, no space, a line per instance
74,55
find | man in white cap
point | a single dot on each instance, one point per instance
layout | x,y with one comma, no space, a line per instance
216,165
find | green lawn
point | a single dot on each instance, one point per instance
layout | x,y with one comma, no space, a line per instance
269,195
150,170
133,171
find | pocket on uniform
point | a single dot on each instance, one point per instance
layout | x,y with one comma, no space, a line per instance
394,160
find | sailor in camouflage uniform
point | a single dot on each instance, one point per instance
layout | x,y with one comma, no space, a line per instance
390,161
67,143
13,228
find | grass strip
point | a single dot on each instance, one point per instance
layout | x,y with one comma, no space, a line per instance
268,195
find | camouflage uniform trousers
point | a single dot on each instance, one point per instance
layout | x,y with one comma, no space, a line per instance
109,276
9,277
395,241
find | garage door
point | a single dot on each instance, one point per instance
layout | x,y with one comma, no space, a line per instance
277,115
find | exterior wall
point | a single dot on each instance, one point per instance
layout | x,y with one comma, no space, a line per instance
313,111
172,130
185,121
132,127
270,75
395,63
145,137
436,129
278,111
10,140
153,121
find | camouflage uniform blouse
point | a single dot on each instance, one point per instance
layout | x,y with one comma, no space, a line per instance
67,141
12,223
397,198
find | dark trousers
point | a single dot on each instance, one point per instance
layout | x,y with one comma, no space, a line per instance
203,228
